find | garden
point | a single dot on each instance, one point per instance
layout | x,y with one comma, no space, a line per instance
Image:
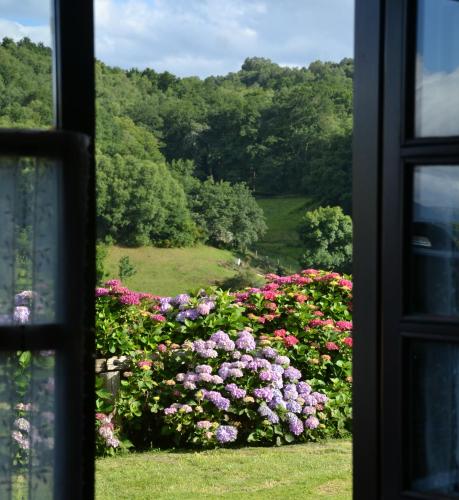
261,366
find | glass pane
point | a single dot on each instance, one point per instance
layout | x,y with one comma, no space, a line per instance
29,237
433,420
437,68
434,262
26,425
26,82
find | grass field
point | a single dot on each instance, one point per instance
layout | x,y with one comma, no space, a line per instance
306,471
281,241
168,271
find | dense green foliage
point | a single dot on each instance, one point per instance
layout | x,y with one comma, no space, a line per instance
327,236
300,320
278,130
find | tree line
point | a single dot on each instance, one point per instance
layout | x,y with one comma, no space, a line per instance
179,159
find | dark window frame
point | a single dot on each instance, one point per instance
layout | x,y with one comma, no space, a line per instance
385,151
72,142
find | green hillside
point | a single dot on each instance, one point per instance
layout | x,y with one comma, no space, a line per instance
281,241
169,271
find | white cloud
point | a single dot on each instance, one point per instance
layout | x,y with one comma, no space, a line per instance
437,103
202,37
16,31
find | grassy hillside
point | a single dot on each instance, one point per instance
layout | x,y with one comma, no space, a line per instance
281,241
168,271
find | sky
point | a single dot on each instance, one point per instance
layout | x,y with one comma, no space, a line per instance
201,37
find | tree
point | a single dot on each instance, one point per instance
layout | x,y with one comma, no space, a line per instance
327,235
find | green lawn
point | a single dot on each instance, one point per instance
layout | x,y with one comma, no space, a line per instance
305,471
281,241
168,271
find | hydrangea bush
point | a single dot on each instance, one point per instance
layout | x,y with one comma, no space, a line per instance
226,389
306,317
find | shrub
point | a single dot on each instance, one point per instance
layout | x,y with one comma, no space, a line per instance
327,236
226,389
305,317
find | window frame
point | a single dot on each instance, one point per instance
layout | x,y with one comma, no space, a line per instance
71,142
385,151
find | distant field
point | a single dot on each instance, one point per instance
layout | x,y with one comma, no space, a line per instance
168,271
281,241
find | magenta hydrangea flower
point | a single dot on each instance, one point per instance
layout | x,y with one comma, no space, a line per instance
129,299
113,283
101,292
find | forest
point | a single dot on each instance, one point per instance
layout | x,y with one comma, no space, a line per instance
182,160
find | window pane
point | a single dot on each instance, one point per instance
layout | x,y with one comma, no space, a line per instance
29,237
437,68
434,280
26,425
433,421
26,81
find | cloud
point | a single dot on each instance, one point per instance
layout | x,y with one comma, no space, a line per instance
437,103
203,37
16,31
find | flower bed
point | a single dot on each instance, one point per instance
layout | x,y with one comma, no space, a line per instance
303,321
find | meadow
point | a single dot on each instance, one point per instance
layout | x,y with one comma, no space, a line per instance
308,471
281,241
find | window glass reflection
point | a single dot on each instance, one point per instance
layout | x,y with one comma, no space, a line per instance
433,420
437,68
434,261
29,241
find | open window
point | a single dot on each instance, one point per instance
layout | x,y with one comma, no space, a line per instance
47,282
406,250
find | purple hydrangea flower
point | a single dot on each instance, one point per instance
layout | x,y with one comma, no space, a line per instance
190,314
21,315
22,424
295,424
165,304
292,373
204,424
266,375
205,377
319,397
290,391
311,422
246,358
269,352
265,393
245,341
303,388
203,369
205,307
265,411
235,391
226,434
181,299
216,379
222,341
282,360
309,410
217,399
293,406
100,292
